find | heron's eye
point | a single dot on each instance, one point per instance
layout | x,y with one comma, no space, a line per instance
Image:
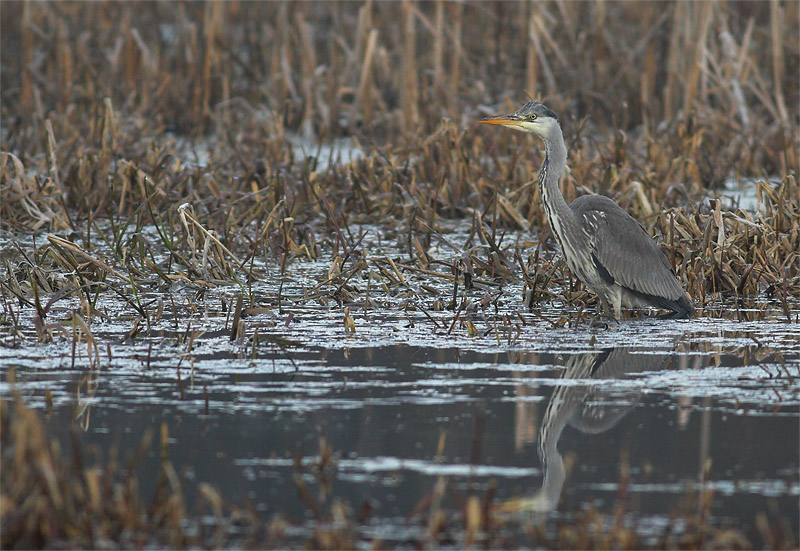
532,117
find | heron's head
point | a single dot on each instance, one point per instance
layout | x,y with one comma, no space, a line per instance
533,117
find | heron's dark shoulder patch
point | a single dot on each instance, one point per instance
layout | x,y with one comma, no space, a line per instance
604,273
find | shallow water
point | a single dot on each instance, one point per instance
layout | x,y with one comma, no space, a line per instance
321,155
649,412
741,193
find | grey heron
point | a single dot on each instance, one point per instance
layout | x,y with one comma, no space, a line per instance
604,246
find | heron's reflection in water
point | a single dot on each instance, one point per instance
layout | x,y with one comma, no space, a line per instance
581,400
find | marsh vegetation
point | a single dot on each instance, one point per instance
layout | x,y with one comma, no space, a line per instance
264,284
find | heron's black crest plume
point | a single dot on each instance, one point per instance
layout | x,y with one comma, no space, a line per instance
540,109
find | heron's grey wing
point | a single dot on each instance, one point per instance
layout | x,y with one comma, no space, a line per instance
596,414
624,251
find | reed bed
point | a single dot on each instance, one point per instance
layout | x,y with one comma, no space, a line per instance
106,107
380,69
223,215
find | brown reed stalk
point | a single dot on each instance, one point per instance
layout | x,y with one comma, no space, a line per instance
456,25
698,30
409,94
537,25
531,57
438,47
366,80
776,12
675,53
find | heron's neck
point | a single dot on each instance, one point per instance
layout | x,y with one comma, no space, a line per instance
555,159
558,413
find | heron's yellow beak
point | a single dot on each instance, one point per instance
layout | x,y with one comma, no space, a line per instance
502,120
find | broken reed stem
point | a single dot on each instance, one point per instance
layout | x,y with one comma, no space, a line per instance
366,81
52,155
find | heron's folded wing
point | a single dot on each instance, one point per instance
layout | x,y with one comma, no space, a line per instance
625,250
